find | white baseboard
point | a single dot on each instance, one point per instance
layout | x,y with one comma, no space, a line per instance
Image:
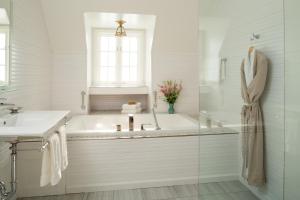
131,185
218,178
150,183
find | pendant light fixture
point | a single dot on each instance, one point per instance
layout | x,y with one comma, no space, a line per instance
120,32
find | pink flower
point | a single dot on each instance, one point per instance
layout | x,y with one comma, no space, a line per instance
171,90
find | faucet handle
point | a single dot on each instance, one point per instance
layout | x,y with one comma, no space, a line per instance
2,100
142,126
15,110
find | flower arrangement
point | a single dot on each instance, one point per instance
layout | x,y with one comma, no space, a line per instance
171,91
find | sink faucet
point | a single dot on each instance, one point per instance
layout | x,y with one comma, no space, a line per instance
153,111
131,122
155,119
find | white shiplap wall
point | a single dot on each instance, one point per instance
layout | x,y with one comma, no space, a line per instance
264,17
30,66
218,158
69,79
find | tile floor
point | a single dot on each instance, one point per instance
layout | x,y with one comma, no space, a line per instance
231,190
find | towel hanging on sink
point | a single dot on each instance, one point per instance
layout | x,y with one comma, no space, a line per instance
51,163
55,158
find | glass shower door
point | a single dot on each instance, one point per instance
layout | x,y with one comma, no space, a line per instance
292,100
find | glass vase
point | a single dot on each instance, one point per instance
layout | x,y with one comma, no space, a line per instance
171,108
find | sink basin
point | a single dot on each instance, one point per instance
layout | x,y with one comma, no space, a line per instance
30,124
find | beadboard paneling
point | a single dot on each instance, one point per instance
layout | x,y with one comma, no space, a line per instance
125,164
219,158
31,57
30,66
115,102
69,79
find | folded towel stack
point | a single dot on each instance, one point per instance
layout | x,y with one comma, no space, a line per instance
132,108
55,158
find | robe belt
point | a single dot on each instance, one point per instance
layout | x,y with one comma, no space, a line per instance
250,104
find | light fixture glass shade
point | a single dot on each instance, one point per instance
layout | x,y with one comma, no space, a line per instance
120,32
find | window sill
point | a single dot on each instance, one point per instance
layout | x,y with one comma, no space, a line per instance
118,90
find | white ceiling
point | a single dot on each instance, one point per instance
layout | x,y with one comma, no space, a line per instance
108,20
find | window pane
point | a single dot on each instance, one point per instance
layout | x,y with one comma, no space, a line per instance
112,44
133,44
133,74
133,59
125,59
111,74
2,73
2,40
104,74
107,74
2,57
104,44
104,60
130,44
125,44
108,43
125,74
112,59
115,66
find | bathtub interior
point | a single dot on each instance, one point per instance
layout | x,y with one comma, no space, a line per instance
108,122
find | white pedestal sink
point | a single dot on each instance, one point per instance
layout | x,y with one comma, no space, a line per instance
30,124
27,125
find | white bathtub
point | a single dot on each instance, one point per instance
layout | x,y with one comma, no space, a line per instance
98,165
105,126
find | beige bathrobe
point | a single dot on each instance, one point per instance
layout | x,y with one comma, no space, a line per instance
252,121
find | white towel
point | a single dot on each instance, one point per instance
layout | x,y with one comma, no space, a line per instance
131,107
45,172
63,147
51,163
132,111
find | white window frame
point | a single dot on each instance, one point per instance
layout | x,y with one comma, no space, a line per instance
5,30
96,82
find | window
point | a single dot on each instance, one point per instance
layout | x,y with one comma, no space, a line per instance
118,61
4,55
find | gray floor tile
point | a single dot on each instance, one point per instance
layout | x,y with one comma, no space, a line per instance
94,196
158,193
105,195
242,196
231,190
188,198
224,196
216,188
128,195
186,190
210,188
233,186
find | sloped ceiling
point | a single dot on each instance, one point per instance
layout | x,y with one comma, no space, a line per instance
65,21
